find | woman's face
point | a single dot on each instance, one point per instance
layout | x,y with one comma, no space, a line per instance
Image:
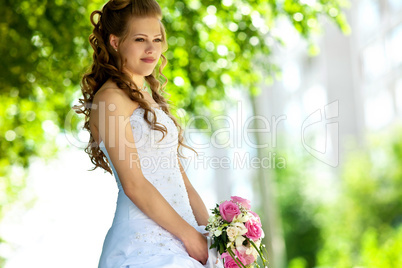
142,48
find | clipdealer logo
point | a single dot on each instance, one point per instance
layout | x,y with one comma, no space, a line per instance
329,152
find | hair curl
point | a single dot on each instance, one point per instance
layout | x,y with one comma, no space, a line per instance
113,19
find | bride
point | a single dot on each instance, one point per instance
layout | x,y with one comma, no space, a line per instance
160,218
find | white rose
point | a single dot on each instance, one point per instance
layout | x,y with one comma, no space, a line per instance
239,240
232,232
241,218
241,228
252,249
249,250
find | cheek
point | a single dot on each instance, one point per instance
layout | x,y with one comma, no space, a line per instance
159,48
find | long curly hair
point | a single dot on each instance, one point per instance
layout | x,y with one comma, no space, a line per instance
113,19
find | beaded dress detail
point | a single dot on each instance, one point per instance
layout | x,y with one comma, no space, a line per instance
135,240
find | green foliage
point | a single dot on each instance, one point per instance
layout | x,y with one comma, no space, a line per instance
363,226
385,253
298,263
42,62
297,207
213,45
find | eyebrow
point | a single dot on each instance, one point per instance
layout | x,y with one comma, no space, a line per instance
147,35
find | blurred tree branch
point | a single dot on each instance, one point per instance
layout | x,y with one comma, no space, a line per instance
213,46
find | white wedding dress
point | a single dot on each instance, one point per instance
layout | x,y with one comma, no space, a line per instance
135,240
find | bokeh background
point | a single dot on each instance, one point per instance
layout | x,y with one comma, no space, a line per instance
320,80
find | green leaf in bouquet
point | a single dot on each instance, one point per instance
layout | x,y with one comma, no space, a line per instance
221,248
216,211
214,244
225,237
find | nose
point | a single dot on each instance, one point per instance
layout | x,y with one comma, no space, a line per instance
151,48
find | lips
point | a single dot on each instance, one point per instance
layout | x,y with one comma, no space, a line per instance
148,60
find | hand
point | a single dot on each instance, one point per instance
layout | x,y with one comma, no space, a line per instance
197,246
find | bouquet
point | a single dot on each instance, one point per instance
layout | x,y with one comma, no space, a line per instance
237,233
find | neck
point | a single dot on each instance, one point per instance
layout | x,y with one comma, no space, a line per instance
137,79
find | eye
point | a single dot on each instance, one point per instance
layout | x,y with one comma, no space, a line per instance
158,40
139,39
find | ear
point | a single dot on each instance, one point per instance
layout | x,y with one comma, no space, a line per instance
114,41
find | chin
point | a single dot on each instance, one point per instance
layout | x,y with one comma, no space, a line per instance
146,71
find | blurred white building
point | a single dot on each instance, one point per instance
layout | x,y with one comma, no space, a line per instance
352,87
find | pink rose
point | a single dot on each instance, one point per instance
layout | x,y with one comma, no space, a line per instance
229,262
228,210
244,202
256,216
254,231
248,258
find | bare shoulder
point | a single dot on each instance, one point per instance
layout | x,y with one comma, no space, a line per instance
110,101
110,96
114,100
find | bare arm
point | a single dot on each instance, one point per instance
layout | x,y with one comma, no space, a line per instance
199,209
116,133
